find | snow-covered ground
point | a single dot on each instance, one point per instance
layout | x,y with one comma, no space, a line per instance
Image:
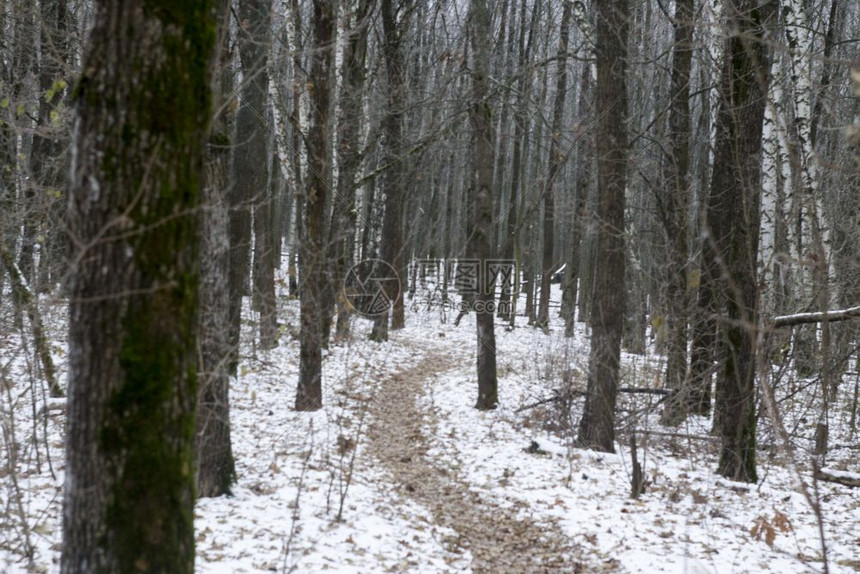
314,493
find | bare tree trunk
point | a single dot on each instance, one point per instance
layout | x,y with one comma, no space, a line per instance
674,201
265,250
24,60
572,273
294,268
129,490
733,229
215,470
392,180
597,426
215,465
510,251
482,199
309,392
556,161
349,157
47,161
528,217
704,326
248,173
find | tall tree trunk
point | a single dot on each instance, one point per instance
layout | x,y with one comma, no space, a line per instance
586,158
703,332
248,174
265,233
309,392
298,184
129,490
733,229
529,216
349,157
265,239
482,200
575,290
806,186
556,161
214,451
572,273
674,201
597,426
23,66
392,180
47,160
510,250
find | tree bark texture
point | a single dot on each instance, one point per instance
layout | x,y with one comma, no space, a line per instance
309,392
143,109
597,426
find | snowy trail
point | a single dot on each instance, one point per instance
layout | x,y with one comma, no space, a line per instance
499,539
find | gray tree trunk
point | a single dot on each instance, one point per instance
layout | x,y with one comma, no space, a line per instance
597,426
309,392
349,156
214,452
248,174
48,163
674,201
482,200
392,244
733,230
129,488
556,161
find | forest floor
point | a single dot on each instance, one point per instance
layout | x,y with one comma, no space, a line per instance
498,538
398,472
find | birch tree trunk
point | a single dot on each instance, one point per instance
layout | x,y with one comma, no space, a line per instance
348,154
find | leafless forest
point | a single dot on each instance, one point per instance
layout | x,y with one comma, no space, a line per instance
442,285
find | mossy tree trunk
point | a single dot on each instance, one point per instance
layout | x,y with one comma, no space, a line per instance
143,109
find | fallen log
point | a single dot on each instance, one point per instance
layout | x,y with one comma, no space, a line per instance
842,477
817,317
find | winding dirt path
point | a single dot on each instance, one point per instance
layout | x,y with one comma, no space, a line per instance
498,539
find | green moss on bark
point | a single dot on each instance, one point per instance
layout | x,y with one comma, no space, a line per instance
148,167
